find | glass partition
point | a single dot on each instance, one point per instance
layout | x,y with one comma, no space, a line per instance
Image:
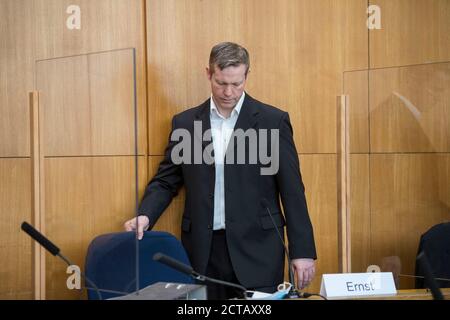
91,162
400,169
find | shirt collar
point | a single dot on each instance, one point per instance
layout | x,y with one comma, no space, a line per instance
236,109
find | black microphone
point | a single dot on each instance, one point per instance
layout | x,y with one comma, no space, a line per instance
428,275
184,268
54,250
175,264
37,236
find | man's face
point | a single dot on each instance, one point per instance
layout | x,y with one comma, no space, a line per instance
227,86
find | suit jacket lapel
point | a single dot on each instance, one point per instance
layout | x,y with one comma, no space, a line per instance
248,117
203,115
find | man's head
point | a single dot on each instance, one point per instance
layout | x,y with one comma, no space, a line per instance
229,65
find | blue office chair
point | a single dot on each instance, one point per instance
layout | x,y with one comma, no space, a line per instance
111,262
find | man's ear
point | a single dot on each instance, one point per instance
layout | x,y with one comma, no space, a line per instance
208,73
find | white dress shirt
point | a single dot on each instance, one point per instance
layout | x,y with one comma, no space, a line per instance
221,130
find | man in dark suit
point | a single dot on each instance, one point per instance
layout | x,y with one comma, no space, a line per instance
232,209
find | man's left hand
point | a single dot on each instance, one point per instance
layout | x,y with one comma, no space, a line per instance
305,269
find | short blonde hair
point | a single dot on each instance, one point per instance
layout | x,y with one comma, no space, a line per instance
226,54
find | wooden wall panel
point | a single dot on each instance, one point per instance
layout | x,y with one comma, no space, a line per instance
16,76
356,86
319,177
443,177
360,212
170,221
36,29
64,98
297,51
85,197
105,25
412,32
88,104
15,246
410,109
112,98
356,33
409,194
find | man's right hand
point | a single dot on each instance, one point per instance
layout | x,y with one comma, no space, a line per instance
142,221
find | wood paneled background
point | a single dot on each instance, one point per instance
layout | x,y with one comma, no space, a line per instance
86,81
303,54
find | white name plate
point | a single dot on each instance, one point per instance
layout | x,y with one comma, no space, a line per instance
343,285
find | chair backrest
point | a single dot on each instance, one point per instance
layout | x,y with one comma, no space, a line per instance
111,262
435,243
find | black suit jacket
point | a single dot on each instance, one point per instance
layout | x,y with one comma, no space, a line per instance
255,249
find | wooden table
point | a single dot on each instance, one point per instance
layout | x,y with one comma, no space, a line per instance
414,294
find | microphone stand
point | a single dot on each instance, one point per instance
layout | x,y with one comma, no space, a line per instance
69,263
293,292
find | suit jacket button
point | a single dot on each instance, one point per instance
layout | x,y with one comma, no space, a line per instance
211,195
210,226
